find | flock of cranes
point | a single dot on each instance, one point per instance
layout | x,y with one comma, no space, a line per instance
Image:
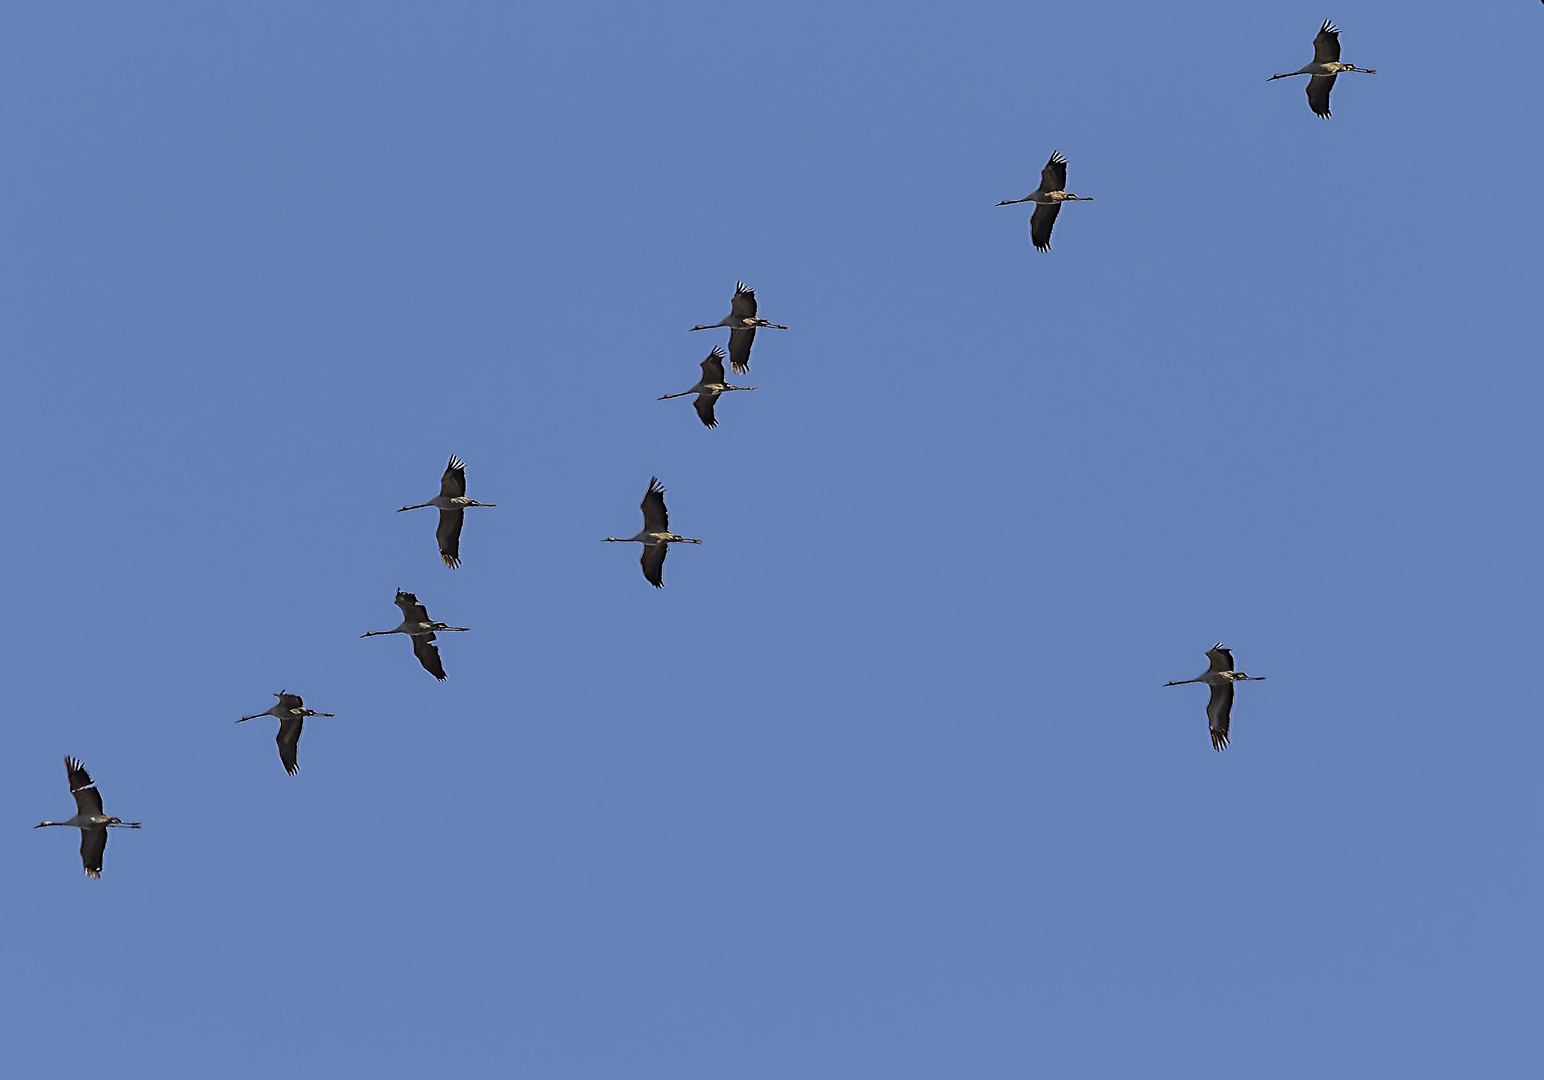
655,536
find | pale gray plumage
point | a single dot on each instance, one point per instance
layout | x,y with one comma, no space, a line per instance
1321,71
709,388
1047,198
742,322
452,503
89,818
292,713
655,536
421,629
1220,676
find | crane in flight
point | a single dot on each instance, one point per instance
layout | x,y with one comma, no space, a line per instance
1047,198
89,818
1322,71
292,713
708,388
452,503
1220,676
417,625
655,536
742,323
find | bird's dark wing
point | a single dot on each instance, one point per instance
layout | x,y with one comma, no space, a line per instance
291,701
428,655
743,306
93,842
1040,223
449,536
655,517
1326,44
1054,176
1218,712
704,406
453,483
88,800
412,610
1319,87
289,742
740,350
1221,658
713,366
653,563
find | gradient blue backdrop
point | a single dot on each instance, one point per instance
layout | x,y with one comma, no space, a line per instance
883,783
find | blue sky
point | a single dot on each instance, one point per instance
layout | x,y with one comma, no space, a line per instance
883,783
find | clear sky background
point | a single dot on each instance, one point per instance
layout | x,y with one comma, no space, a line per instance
883,783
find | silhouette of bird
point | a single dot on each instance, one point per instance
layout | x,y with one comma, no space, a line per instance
1220,676
742,323
417,625
452,503
1047,198
655,536
1322,70
89,818
708,388
292,714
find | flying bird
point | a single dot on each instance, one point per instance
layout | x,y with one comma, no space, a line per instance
418,626
656,536
89,819
452,502
1220,676
709,387
1047,198
1326,65
742,323
292,713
